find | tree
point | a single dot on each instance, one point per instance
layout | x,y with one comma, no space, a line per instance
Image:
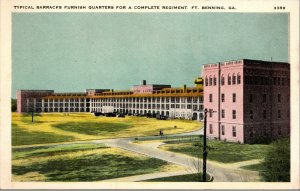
13,105
276,165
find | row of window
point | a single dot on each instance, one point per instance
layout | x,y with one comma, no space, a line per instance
223,113
231,80
223,97
264,80
249,80
251,132
251,98
151,106
265,96
158,99
64,104
153,99
233,130
264,114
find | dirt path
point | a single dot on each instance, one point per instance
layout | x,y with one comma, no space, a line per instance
221,172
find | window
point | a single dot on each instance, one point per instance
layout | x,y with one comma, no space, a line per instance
279,97
229,80
274,81
210,81
206,81
223,129
251,132
256,80
233,97
264,131
264,98
210,113
215,81
223,113
222,80
238,79
279,130
250,98
210,129
279,114
266,81
210,97
264,114
223,97
246,80
261,80
233,114
251,114
233,131
233,79
250,80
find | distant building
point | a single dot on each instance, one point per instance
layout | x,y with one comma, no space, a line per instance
144,99
250,100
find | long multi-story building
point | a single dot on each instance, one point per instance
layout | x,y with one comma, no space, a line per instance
184,102
247,100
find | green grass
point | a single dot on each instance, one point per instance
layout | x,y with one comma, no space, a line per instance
220,151
93,128
23,137
20,153
180,178
254,167
62,127
91,163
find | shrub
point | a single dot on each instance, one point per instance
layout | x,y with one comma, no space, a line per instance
276,165
13,105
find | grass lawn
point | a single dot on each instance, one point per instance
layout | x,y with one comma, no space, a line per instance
21,136
180,178
59,127
220,151
81,162
254,167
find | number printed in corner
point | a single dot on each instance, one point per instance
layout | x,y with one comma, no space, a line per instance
279,7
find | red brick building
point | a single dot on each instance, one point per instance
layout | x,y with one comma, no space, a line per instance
250,100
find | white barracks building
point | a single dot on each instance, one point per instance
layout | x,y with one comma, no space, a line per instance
144,99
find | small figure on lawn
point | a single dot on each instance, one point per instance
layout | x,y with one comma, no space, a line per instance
161,132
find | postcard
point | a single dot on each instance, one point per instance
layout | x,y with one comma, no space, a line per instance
149,94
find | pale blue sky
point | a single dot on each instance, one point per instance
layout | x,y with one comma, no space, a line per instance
76,51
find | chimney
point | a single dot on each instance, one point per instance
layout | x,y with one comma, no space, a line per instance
144,82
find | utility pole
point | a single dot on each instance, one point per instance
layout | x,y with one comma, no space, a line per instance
32,115
204,152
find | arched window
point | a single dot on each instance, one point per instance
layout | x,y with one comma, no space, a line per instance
215,81
222,80
238,78
233,79
229,79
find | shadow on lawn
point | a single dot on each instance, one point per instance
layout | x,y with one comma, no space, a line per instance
93,128
24,137
91,167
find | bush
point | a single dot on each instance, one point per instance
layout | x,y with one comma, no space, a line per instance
276,165
13,105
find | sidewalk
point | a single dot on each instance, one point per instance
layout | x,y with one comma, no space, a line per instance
137,178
